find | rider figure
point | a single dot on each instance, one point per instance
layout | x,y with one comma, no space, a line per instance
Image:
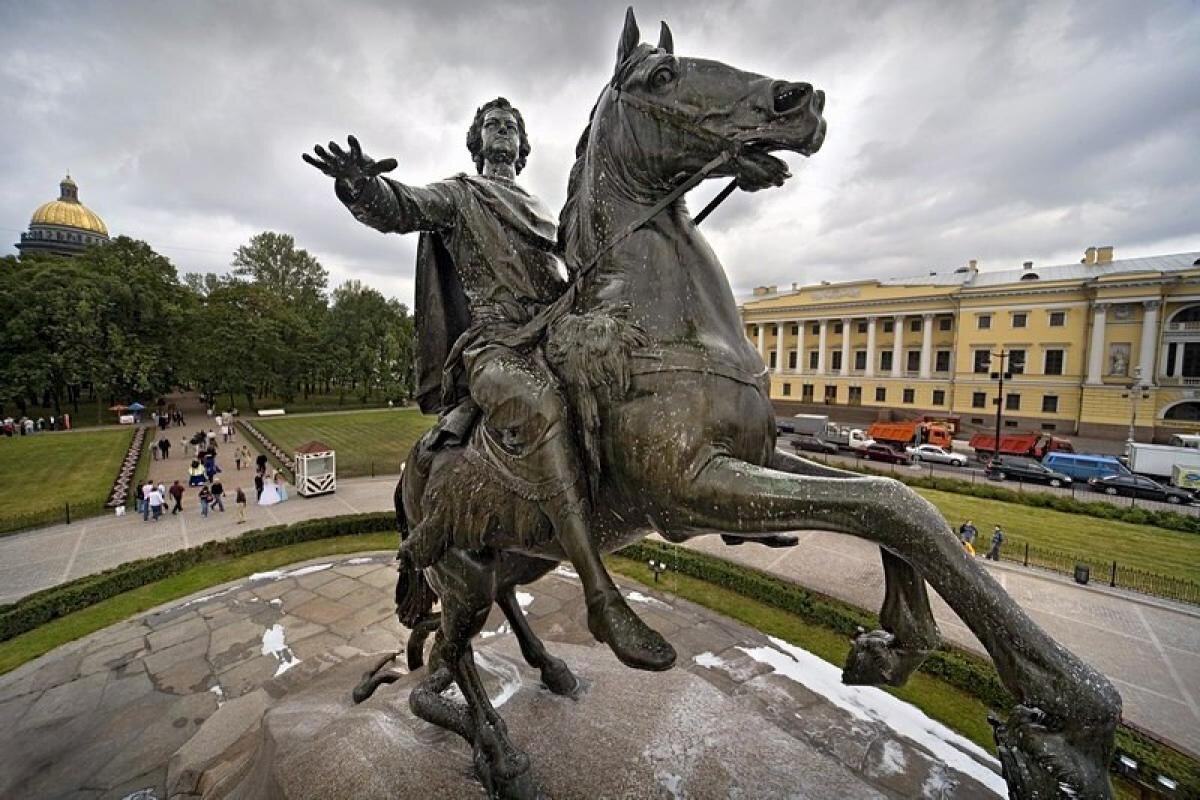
487,240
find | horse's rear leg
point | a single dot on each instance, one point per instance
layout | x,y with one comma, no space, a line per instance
1063,727
908,632
555,673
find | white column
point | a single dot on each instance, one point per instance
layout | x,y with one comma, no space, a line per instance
898,346
762,345
1149,341
845,346
780,327
800,326
822,341
1178,371
870,371
1095,372
927,346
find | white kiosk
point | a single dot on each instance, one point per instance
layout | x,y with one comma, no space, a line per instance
316,469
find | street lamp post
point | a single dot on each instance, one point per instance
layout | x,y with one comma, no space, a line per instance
1015,361
1133,392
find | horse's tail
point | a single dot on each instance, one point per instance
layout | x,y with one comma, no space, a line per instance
414,595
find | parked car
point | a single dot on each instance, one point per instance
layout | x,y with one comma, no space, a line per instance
1084,466
882,452
935,454
1142,488
811,444
1026,470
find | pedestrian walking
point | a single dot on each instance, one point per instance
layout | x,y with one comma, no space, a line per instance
176,492
156,503
147,488
258,486
967,532
240,500
164,446
218,494
993,552
205,498
237,459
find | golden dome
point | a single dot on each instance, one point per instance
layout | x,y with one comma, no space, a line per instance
68,212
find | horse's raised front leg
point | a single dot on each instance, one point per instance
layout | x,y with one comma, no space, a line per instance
908,632
555,673
1062,730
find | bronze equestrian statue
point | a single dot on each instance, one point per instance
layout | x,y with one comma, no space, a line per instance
669,419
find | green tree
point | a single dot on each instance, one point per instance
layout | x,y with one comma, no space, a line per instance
272,261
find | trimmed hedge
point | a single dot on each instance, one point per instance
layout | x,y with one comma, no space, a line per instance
959,668
1170,520
49,604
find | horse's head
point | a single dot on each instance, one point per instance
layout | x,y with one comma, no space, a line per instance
682,112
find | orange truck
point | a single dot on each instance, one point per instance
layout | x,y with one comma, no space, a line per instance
912,432
1029,445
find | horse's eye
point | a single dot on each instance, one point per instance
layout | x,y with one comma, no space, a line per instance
661,78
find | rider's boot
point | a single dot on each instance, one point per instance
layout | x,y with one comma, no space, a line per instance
610,619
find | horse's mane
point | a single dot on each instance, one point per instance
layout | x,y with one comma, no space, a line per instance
569,227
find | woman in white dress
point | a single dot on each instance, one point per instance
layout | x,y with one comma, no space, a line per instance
270,494
281,486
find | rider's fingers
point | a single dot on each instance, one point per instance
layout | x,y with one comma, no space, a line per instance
355,148
318,164
333,148
386,165
321,154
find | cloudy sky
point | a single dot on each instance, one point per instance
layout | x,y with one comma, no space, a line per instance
1000,131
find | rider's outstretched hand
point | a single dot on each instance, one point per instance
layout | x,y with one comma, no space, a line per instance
353,166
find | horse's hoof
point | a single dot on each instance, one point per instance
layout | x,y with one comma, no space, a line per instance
875,659
1040,759
502,768
633,642
559,679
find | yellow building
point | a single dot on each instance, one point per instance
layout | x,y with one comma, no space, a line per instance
1093,343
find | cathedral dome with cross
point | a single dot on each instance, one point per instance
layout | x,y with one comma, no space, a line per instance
64,226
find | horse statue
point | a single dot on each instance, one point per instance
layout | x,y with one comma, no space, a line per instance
672,402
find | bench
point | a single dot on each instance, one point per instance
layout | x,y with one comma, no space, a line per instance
271,412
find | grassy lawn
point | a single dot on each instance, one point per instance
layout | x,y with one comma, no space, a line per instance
27,646
1102,541
41,473
367,442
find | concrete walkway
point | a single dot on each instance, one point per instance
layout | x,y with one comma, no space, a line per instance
1149,648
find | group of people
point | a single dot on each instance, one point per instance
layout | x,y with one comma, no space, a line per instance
967,533
27,426
152,499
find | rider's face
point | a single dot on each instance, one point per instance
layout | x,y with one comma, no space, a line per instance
501,137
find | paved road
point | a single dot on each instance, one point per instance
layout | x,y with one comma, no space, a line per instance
1149,648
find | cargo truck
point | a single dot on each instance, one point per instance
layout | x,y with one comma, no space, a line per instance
1159,460
913,432
1026,445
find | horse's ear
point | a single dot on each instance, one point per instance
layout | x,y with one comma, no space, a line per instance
629,38
666,42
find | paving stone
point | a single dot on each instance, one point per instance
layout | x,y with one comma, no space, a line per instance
163,659
322,611
125,691
231,642
113,656
223,728
185,677
364,619
381,578
188,628
74,699
158,740
339,587
273,589
314,579
13,708
296,597
356,571
377,641
247,675
54,671
296,628
315,645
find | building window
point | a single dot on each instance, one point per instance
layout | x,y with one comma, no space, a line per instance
814,360
945,323
860,359
1049,404
1058,319
909,396
982,360
795,330
914,360
793,357
787,389
837,327
1016,362
983,321
885,361
835,360
1012,402
773,357
941,361
855,396
915,325
978,400
888,326
976,420
939,397
816,328
1019,320
831,394
1010,423
862,327
1049,426
1054,362
806,392
880,394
